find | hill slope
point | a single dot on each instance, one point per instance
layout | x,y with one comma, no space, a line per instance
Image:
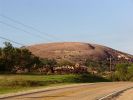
76,51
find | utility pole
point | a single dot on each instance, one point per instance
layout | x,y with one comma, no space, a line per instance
110,63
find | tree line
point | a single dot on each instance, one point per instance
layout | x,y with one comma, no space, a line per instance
21,60
13,59
123,72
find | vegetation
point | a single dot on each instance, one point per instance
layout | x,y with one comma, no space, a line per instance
123,72
13,83
20,60
14,59
97,66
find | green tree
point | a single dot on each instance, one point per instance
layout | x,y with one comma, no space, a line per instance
2,67
51,64
26,59
121,72
0,52
92,65
102,65
130,72
12,59
7,56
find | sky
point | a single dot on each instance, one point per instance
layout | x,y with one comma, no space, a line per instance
105,22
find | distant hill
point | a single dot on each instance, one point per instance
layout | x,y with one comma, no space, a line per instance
76,51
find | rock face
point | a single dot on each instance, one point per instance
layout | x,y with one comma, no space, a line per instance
76,51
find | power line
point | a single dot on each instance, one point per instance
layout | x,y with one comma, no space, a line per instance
12,41
21,30
3,38
27,26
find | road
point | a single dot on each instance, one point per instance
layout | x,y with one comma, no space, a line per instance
127,95
79,92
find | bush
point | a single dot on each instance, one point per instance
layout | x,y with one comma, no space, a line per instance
124,72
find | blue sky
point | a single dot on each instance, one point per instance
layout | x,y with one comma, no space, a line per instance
105,22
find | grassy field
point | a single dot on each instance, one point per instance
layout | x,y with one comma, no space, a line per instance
14,83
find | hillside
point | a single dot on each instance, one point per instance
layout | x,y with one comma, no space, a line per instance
76,51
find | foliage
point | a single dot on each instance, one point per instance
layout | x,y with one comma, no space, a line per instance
97,65
130,72
51,64
9,83
13,59
91,64
124,72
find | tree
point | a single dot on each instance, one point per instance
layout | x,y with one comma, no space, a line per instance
51,64
130,71
0,52
102,65
48,63
2,67
122,68
17,57
13,59
92,65
26,59
7,56
121,72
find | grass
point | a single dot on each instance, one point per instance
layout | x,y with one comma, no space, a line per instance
14,83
